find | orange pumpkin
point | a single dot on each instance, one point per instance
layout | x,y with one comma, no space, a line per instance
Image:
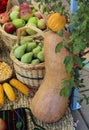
56,22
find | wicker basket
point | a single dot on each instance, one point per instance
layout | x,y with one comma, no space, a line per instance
31,75
10,39
65,123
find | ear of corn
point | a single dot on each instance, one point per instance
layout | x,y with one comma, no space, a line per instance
9,91
20,86
2,100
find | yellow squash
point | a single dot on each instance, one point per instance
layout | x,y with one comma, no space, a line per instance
9,91
20,86
2,100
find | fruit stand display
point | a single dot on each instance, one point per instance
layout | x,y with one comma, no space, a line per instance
34,56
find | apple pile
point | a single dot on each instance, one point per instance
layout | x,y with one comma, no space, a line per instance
20,16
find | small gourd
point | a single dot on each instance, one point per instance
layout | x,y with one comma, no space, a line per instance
56,22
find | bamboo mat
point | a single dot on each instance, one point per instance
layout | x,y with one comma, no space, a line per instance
66,123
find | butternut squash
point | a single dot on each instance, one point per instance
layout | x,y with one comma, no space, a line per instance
47,105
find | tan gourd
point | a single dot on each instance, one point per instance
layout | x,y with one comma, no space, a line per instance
47,104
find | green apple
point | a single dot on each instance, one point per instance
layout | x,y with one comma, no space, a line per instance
15,8
33,20
14,15
18,22
41,24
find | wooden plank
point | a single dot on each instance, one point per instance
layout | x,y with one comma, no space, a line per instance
84,111
78,118
84,74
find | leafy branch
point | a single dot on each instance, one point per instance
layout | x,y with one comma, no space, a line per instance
76,45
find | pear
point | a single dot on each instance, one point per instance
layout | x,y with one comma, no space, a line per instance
27,58
31,46
25,40
19,51
35,61
36,51
18,22
40,56
30,31
40,44
14,47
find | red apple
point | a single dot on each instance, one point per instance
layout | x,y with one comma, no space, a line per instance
4,17
25,11
2,124
9,28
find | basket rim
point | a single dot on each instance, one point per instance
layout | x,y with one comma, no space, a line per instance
24,65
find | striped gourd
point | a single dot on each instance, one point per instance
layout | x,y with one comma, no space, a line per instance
9,91
19,86
2,100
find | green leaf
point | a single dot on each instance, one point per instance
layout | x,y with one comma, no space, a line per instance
19,125
65,91
68,64
60,33
78,61
58,47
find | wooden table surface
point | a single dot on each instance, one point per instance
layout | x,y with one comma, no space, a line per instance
81,116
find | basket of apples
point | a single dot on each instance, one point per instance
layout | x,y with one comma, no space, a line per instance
18,16
28,58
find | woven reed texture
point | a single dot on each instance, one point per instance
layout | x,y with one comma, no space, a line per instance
9,40
31,75
66,123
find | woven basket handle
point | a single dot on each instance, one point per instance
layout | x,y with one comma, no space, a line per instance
39,32
10,3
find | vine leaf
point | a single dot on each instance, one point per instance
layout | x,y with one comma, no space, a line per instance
58,47
60,33
78,61
19,125
65,91
68,63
